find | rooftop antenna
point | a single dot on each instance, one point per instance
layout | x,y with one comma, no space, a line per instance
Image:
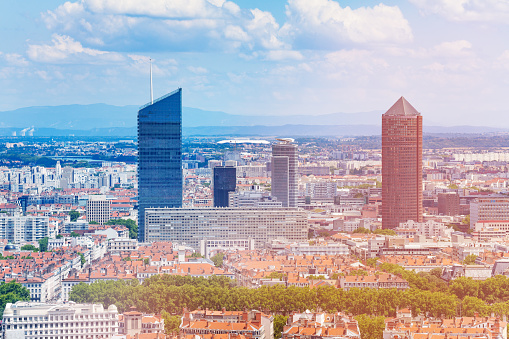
151,91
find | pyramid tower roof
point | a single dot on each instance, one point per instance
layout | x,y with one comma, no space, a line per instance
402,107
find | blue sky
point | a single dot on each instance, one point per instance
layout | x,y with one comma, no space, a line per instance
449,58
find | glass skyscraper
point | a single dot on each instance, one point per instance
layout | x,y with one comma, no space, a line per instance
225,181
159,156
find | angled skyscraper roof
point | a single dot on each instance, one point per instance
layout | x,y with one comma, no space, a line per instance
402,107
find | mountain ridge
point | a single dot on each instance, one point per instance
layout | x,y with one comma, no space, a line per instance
103,119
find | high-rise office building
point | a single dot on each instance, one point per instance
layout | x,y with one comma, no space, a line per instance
284,183
98,209
159,156
225,181
401,165
449,203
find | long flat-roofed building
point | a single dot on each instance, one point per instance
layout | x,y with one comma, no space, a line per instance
191,225
491,208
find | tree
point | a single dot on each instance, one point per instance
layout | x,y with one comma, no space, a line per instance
59,236
469,259
129,223
466,220
371,327
275,275
361,230
29,247
92,222
218,259
12,292
146,261
384,231
43,244
279,324
437,272
83,260
74,234
372,261
171,323
358,272
74,215
316,277
463,287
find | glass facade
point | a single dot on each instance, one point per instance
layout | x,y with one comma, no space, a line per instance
225,181
159,156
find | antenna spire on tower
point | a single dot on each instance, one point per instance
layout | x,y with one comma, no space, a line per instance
151,91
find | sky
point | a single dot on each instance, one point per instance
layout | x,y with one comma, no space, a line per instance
448,58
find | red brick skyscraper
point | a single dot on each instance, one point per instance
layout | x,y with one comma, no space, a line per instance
401,164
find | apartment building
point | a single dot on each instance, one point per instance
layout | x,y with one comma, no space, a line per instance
59,321
429,228
405,326
321,325
18,229
252,324
377,281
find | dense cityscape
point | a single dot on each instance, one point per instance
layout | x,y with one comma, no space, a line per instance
253,237
239,169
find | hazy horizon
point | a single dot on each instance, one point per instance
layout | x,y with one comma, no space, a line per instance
449,59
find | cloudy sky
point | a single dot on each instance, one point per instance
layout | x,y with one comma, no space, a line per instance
449,58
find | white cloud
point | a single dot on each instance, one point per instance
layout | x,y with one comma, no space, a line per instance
64,47
197,70
467,10
234,32
284,55
157,8
14,59
176,25
264,28
325,24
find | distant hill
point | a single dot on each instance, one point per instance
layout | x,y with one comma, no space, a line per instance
102,119
84,117
76,117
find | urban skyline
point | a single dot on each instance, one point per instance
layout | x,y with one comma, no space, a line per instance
157,236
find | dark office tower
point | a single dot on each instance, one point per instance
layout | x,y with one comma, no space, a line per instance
225,181
401,165
284,172
448,203
159,156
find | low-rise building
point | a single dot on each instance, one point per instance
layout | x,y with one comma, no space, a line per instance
59,321
404,326
253,324
377,281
